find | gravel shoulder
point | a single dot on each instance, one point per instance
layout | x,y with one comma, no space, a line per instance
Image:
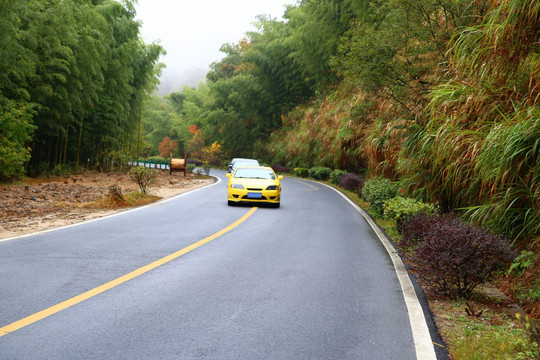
35,205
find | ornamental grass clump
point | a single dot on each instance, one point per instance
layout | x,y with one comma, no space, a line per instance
453,257
116,194
479,147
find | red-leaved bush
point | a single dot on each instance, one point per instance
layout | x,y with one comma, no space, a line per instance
352,182
454,257
281,169
414,227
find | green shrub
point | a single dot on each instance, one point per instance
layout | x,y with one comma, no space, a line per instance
62,170
157,159
302,172
143,176
336,174
190,167
15,133
399,206
206,168
522,263
320,172
376,191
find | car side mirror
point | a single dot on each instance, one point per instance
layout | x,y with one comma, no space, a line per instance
280,177
228,175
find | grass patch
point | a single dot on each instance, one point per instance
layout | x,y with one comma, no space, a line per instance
137,198
132,199
492,334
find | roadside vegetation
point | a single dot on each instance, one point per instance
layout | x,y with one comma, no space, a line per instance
457,265
425,111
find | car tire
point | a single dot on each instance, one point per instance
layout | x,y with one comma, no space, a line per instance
276,205
230,203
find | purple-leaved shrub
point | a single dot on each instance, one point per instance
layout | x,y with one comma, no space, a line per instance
352,182
454,257
281,169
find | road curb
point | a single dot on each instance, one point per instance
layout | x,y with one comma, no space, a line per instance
423,342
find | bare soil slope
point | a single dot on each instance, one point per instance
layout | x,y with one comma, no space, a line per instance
41,204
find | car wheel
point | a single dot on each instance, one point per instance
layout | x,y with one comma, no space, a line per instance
230,203
276,205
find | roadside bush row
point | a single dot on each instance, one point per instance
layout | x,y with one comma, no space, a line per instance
344,179
451,256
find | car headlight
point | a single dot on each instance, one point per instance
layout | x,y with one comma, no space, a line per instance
272,187
237,186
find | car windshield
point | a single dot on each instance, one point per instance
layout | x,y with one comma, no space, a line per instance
255,173
245,163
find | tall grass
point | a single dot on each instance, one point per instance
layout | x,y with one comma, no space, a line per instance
480,147
327,133
509,168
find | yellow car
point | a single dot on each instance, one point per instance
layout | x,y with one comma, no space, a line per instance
255,184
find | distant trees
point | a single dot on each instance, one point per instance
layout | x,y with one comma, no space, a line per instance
78,73
440,94
167,146
267,74
248,91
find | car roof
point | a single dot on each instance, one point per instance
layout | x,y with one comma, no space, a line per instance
254,167
244,162
242,159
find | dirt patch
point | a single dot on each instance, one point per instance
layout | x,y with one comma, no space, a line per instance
41,204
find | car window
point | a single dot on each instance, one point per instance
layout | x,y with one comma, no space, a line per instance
245,163
255,173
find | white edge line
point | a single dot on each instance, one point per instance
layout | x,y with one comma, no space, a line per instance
422,338
114,214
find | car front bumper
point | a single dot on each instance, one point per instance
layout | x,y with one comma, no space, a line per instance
245,195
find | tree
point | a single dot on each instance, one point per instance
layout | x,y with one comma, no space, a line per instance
316,30
167,146
15,133
196,143
211,155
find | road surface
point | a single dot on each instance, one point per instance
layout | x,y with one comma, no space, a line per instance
193,278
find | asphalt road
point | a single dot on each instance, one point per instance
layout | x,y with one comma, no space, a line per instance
310,280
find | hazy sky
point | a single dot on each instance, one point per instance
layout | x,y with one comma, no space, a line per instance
192,31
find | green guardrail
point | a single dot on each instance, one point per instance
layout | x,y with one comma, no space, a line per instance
161,165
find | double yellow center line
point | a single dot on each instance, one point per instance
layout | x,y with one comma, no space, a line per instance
111,284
